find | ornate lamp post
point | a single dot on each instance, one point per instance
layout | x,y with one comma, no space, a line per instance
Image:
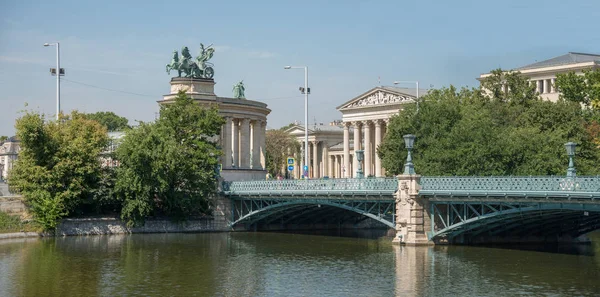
570,146
360,156
409,141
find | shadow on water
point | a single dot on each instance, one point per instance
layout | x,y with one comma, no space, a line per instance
348,233
591,248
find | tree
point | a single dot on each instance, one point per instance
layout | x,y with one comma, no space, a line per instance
583,89
279,146
110,120
58,166
503,128
3,138
169,167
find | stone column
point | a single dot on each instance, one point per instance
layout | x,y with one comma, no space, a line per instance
315,157
539,86
245,144
368,152
546,86
263,144
227,143
357,128
326,160
346,166
335,165
377,143
412,212
256,127
302,162
235,144
553,85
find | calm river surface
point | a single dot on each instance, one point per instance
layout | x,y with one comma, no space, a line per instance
273,264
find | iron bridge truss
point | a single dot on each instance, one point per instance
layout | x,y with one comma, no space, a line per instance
511,206
283,211
312,201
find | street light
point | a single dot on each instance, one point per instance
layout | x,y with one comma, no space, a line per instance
57,77
409,141
570,146
306,90
410,82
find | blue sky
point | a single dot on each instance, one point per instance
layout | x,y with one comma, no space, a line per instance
347,45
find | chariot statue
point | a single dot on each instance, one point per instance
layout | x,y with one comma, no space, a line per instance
190,67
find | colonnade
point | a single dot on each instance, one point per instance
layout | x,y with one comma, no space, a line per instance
368,135
318,152
243,143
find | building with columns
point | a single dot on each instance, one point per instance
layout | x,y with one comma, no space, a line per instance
366,117
242,137
543,74
363,126
9,151
322,160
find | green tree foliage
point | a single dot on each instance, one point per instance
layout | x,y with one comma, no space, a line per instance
584,89
493,130
58,165
3,138
279,146
110,120
168,167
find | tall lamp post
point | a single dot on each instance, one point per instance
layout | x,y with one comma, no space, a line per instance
57,72
305,91
410,82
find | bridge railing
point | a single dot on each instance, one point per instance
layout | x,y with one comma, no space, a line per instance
497,185
311,187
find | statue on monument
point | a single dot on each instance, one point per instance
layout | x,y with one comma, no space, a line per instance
238,90
193,68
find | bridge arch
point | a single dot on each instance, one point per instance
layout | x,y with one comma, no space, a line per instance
463,223
269,209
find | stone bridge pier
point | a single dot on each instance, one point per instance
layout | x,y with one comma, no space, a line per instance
412,212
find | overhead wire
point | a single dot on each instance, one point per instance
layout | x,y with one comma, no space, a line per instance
150,96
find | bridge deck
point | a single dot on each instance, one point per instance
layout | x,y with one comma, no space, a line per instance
551,187
341,188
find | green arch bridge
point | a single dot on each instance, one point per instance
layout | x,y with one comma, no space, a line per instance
427,210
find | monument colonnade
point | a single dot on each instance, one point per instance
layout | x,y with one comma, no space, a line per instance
243,142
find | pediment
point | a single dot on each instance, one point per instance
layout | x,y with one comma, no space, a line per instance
296,129
376,97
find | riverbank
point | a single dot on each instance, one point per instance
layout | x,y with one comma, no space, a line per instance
108,226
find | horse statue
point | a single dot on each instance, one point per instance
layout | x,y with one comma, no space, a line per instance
174,65
188,66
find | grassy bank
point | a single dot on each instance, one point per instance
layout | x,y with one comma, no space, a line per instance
10,224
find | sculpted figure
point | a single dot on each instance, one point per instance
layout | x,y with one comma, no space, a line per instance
238,90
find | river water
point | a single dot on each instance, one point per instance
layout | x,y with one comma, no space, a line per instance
275,264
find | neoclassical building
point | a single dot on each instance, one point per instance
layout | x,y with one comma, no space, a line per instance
543,73
363,126
242,138
367,116
9,151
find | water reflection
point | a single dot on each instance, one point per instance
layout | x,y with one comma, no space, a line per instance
273,264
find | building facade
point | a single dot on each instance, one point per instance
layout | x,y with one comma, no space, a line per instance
363,127
9,151
543,74
242,137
